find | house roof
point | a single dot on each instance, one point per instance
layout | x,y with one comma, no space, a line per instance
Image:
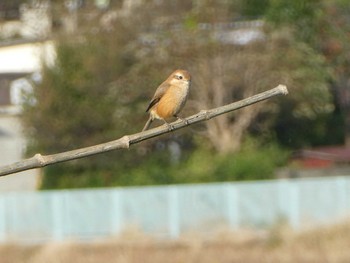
338,154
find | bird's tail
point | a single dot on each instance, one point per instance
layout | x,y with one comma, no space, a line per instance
148,123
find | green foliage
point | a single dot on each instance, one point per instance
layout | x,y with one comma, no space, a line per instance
319,63
302,15
301,118
254,8
253,162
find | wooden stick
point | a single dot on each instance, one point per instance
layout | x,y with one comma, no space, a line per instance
39,160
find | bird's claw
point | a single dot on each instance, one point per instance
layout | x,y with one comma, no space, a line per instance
170,127
183,120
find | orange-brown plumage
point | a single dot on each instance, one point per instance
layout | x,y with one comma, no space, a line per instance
170,97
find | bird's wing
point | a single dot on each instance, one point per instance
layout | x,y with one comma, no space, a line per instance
157,96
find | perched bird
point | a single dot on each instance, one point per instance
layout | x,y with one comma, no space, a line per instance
170,97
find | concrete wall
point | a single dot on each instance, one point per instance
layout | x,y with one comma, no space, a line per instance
170,211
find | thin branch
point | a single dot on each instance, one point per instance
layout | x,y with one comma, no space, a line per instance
39,160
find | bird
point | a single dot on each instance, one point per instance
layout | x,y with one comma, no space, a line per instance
170,97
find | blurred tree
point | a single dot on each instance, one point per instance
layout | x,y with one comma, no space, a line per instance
225,71
323,27
228,73
300,15
253,8
77,99
91,95
334,43
105,74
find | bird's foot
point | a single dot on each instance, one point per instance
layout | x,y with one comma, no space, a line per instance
170,127
183,120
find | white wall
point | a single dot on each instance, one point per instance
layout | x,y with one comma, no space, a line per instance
26,57
23,58
12,147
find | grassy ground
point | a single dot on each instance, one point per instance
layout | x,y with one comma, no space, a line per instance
326,244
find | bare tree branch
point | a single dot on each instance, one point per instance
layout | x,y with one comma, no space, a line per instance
39,160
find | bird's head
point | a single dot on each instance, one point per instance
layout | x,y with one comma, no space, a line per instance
180,76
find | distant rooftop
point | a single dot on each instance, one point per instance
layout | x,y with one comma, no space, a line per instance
323,156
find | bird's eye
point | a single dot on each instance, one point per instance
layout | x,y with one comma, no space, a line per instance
180,77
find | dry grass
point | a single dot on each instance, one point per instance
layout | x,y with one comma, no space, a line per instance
327,244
